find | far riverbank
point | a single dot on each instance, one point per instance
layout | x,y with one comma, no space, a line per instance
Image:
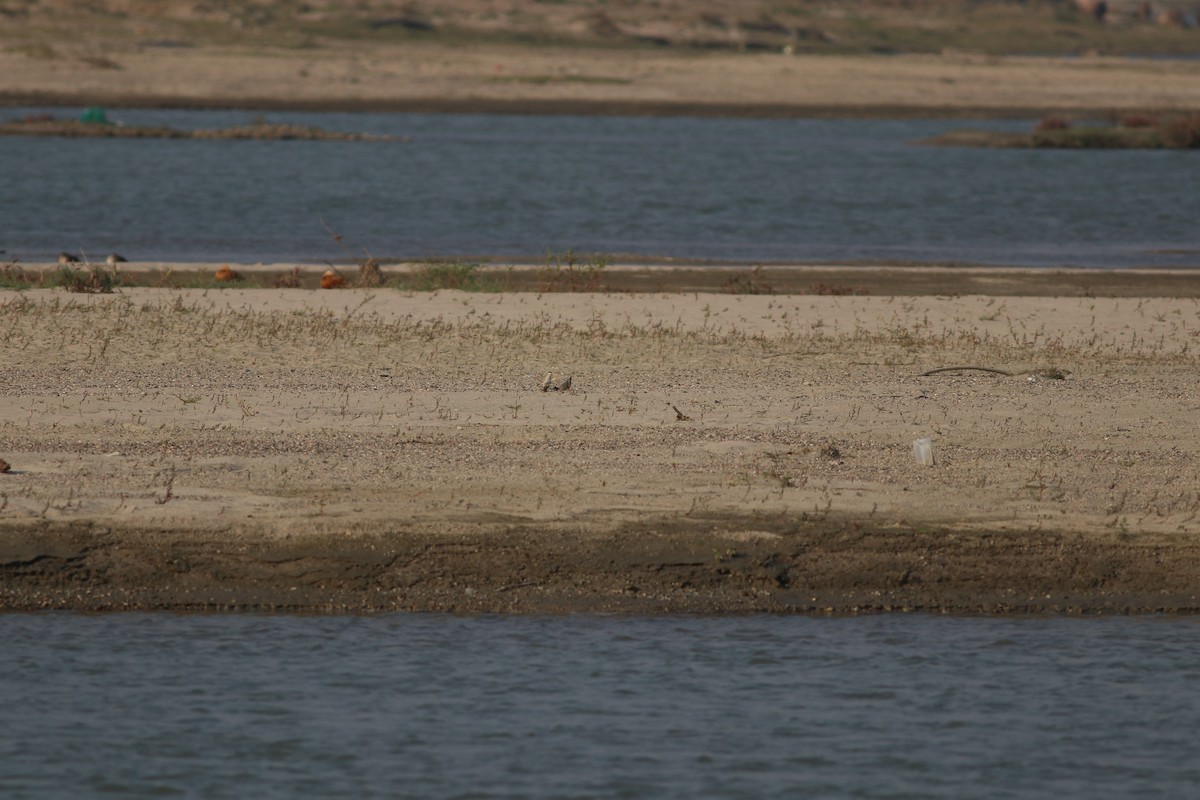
428,77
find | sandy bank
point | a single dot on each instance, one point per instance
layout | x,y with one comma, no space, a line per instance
493,78
370,450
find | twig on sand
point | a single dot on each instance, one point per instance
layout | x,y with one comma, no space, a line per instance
1055,373
792,353
521,585
960,369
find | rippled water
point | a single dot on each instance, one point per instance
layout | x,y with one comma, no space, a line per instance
599,707
520,187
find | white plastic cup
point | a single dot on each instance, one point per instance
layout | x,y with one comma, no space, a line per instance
923,451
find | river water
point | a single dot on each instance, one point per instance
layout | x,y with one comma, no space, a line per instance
520,187
431,706
420,706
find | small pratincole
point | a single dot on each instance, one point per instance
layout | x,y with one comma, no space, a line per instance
65,258
548,384
115,258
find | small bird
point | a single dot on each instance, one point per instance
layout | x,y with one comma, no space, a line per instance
116,258
332,280
548,384
65,258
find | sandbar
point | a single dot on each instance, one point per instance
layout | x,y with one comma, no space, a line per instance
716,452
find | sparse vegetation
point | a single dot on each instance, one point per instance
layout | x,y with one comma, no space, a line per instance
1181,131
1141,131
749,282
432,276
12,276
91,279
288,280
75,129
369,275
1052,123
570,272
1137,120
780,280
837,289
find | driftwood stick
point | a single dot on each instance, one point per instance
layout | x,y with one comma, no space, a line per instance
960,369
792,353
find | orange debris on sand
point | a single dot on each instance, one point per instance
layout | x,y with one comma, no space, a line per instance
226,274
332,280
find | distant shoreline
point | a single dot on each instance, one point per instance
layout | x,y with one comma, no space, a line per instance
73,129
539,107
430,78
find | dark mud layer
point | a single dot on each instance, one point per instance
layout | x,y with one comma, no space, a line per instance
670,565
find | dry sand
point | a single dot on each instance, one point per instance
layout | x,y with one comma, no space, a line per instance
437,77
378,449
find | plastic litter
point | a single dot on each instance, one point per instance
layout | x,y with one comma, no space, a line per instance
95,115
923,451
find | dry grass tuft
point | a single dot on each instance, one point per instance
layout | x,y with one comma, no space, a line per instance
369,275
89,280
464,276
1137,121
1052,123
837,289
1181,132
749,282
288,280
12,276
565,272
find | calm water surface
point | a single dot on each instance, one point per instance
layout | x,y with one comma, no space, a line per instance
141,705
520,187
